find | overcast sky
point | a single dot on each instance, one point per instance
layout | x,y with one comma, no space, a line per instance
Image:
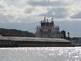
17,13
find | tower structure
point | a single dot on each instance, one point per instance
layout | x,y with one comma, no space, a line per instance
48,29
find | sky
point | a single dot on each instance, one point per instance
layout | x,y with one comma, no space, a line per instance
26,14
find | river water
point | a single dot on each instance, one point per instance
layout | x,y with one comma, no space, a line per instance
41,54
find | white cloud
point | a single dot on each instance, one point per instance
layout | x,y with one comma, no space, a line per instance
25,8
74,8
39,10
19,8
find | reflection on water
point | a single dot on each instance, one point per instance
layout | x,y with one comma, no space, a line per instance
41,54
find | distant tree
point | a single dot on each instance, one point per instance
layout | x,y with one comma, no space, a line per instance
14,32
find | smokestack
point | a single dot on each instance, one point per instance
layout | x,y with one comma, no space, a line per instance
68,35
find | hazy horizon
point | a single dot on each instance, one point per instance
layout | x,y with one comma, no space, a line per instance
31,27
